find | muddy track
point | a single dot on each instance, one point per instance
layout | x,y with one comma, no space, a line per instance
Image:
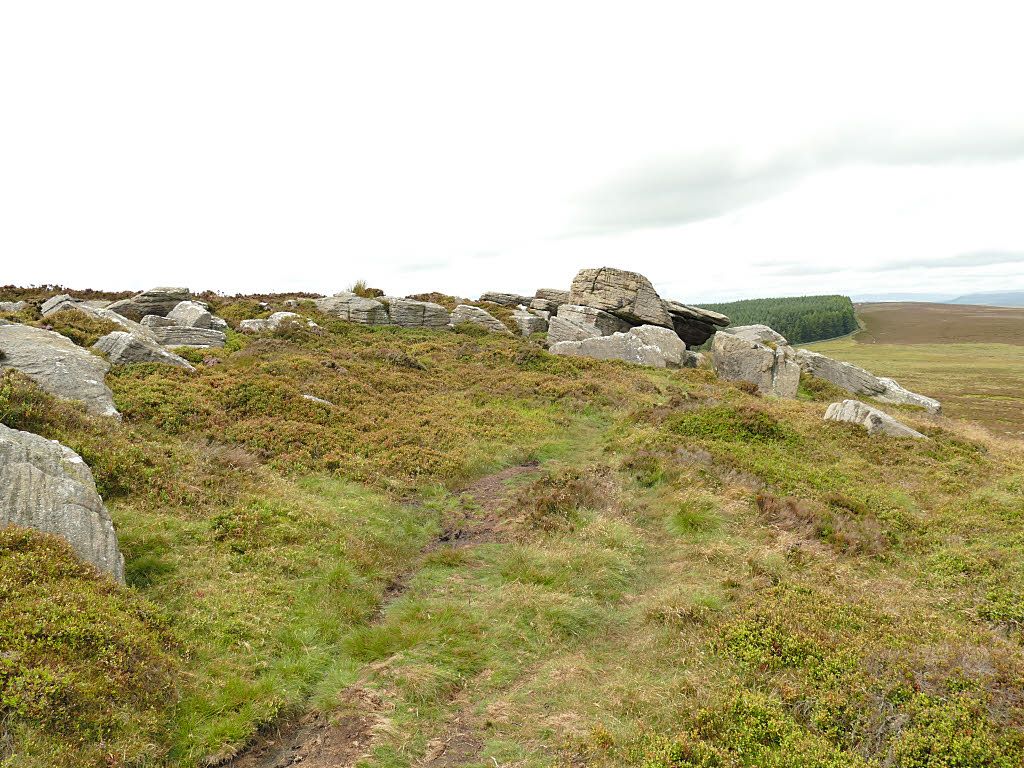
342,738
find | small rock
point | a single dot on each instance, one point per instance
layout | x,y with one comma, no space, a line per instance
530,323
876,422
315,399
190,314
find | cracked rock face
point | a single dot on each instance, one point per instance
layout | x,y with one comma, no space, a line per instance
122,348
648,345
772,371
465,313
155,301
627,295
46,486
411,313
759,333
355,309
876,422
575,323
58,366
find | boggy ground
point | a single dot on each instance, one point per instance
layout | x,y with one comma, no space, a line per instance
484,555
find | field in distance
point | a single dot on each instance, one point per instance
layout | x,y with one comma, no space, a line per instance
969,357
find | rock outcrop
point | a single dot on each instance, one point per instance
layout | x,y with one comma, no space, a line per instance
506,299
464,313
411,313
694,325
156,301
181,336
575,323
122,348
627,295
772,371
530,323
876,422
190,314
272,323
58,366
858,381
99,313
13,306
46,486
762,334
355,309
548,300
649,345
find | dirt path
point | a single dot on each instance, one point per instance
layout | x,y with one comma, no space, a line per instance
342,738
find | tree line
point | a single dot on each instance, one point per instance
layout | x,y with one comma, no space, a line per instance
800,319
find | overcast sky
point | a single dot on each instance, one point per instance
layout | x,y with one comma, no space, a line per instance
723,149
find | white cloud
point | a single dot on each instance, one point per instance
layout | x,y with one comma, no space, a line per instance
724,149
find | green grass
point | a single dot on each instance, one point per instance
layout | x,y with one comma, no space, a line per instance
693,576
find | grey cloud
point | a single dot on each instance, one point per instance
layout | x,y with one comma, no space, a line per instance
972,259
671,191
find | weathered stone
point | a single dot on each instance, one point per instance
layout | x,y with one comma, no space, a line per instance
694,325
896,394
410,313
575,323
543,305
46,486
122,348
58,366
506,299
106,314
180,336
355,309
319,400
218,324
529,323
273,322
858,381
648,345
56,304
155,321
876,422
762,334
773,371
190,314
12,306
156,301
624,294
464,313
553,294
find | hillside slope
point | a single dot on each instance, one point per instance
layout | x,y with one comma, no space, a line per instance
476,553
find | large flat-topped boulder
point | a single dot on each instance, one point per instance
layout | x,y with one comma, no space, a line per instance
58,366
181,336
762,334
506,299
155,301
575,323
858,381
122,348
694,325
876,422
772,371
411,313
464,313
46,486
627,295
355,309
191,315
648,345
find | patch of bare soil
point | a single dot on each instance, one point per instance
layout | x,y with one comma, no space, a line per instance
458,747
316,740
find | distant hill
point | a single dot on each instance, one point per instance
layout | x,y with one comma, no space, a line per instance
800,319
992,299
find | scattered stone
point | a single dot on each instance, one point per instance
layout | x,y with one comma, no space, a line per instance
762,334
648,345
315,399
506,299
12,306
355,309
876,422
179,336
772,371
575,323
858,381
694,325
156,301
58,366
190,314
46,486
410,313
627,295
464,313
530,323
122,348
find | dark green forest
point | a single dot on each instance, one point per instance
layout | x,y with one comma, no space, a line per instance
799,318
